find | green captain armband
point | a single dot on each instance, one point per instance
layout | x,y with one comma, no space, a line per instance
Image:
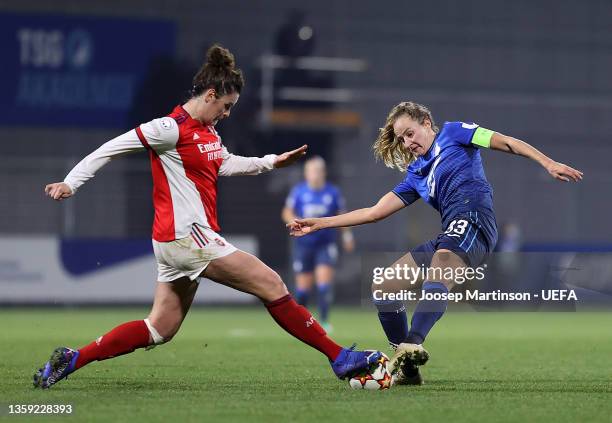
482,137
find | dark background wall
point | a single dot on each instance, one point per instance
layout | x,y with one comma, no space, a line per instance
539,71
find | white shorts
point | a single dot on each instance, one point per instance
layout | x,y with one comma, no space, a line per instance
191,255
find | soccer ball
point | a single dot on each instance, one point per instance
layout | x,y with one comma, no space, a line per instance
376,378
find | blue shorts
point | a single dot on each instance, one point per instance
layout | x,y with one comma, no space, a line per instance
471,235
306,258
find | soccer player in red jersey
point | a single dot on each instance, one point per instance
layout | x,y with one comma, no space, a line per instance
187,156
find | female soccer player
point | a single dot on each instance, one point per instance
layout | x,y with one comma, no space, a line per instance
187,156
445,170
314,257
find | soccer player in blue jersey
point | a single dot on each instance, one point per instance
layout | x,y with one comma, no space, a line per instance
443,168
314,257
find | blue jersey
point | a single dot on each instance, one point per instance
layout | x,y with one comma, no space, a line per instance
450,176
306,202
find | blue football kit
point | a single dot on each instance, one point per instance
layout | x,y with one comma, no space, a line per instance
451,179
319,247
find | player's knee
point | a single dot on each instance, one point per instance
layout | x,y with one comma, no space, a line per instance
274,285
277,284
160,333
443,255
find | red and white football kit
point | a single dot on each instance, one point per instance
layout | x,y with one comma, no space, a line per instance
186,160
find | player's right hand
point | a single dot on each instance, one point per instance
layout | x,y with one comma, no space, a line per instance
290,157
58,191
301,227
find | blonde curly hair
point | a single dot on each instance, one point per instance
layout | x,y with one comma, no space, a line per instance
388,147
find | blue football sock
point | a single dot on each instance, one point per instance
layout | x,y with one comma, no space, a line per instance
324,297
427,313
301,296
392,316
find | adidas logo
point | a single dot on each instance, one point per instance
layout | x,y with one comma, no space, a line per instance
99,340
196,136
310,322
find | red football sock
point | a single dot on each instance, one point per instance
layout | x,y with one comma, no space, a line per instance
121,340
296,320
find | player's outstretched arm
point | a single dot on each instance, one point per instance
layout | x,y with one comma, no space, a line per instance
87,168
234,165
512,145
386,206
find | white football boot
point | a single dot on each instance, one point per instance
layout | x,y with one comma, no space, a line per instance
404,365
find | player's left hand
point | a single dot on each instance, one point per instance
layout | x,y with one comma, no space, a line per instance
563,172
301,227
290,157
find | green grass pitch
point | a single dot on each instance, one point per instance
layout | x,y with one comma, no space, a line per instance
237,365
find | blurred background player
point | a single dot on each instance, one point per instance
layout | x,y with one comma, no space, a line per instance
315,257
443,168
187,156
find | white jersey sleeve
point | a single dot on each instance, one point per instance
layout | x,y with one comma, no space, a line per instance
159,134
239,165
87,168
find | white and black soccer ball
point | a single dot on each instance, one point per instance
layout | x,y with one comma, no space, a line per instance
376,378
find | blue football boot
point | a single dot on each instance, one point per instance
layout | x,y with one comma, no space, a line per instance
59,366
350,362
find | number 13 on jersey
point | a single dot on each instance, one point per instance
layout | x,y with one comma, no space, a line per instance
456,228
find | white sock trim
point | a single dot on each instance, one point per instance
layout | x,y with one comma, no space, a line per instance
157,338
